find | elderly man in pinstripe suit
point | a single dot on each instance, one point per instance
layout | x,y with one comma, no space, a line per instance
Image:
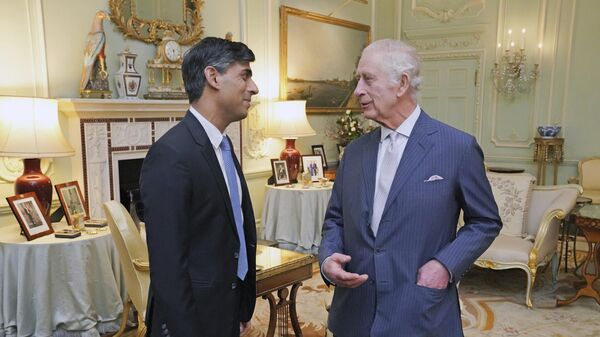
389,239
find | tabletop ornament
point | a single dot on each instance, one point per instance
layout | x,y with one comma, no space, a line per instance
94,77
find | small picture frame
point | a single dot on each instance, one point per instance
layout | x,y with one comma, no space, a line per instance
28,211
280,172
72,201
319,150
314,166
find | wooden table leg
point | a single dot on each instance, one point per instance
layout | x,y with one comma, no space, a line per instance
293,313
588,290
283,311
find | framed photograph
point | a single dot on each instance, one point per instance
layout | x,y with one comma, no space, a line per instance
280,172
72,201
319,150
314,166
28,211
326,81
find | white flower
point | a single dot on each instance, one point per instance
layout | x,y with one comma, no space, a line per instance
353,129
348,112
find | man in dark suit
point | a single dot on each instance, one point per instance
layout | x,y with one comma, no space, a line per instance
389,239
199,218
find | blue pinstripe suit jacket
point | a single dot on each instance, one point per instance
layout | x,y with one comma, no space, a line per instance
418,224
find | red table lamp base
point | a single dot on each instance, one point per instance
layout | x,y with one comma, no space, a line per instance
292,158
33,180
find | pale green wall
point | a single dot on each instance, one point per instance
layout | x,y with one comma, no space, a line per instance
46,40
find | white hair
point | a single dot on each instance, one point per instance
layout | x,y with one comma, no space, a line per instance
399,58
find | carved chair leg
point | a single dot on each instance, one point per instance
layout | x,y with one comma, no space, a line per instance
124,317
555,264
141,330
531,274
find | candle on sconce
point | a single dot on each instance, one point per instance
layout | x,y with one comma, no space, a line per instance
523,38
508,39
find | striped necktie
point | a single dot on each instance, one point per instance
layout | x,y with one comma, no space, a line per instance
234,196
391,151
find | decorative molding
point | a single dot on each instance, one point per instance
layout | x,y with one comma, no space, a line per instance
478,56
255,147
449,38
465,9
131,134
38,48
398,30
568,64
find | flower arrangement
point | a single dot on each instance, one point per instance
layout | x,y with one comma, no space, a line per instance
347,128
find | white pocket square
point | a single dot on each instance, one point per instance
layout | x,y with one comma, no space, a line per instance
434,178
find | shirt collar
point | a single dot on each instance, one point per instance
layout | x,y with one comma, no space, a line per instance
214,135
406,127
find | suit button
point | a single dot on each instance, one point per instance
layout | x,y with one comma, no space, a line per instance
233,285
378,250
236,255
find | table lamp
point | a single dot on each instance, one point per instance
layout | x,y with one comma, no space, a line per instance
288,121
29,129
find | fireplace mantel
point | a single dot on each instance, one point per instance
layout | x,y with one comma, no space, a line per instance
86,108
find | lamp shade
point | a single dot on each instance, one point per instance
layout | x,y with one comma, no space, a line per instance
288,120
29,129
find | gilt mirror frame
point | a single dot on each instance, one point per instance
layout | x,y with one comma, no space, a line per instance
152,31
338,46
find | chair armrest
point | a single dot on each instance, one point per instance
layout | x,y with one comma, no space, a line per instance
573,180
141,265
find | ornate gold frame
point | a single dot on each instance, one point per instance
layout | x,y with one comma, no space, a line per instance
284,12
152,31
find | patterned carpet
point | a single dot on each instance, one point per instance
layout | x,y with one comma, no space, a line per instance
492,301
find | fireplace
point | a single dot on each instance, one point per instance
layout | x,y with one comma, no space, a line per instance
127,186
115,136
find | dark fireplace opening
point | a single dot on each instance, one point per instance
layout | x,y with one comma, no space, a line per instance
129,187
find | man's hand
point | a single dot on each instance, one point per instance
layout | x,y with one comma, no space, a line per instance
244,328
333,268
433,275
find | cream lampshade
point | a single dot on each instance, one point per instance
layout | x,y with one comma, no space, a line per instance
29,129
288,121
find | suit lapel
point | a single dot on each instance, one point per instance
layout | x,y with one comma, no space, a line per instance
369,167
208,152
417,147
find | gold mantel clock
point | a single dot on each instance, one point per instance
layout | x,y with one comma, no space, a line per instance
164,71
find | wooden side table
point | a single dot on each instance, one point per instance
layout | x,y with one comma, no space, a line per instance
587,218
547,150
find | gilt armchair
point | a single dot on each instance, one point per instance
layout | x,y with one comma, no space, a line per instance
133,254
531,217
588,176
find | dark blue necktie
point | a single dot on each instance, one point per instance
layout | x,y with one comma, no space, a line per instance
235,205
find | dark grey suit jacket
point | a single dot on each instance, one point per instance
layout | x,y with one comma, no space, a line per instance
418,224
192,238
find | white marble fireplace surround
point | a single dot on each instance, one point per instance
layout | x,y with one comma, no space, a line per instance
104,131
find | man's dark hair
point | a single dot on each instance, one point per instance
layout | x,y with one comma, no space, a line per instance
211,51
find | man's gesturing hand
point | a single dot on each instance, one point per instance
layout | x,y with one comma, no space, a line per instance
333,268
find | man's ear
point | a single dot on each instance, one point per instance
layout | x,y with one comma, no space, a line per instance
211,74
404,85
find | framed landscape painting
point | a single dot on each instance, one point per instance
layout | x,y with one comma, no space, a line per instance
318,59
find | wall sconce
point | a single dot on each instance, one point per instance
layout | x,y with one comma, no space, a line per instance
288,121
510,74
29,129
